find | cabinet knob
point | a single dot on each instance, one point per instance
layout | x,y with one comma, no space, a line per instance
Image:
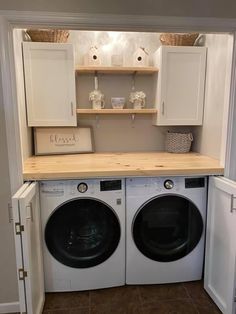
163,108
72,108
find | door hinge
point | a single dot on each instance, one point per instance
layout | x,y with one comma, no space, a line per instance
19,228
232,208
22,273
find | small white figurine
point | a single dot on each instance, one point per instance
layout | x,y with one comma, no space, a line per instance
137,99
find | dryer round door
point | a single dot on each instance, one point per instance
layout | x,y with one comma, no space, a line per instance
167,228
82,233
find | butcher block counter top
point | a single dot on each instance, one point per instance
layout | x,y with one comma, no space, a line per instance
119,165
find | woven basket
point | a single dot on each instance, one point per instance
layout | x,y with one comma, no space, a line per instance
178,39
178,142
48,35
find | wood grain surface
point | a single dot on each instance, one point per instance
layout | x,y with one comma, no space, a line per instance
119,165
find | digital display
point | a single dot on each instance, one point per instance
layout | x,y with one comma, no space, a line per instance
110,185
191,183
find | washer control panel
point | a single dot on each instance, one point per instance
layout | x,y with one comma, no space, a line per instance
168,184
110,185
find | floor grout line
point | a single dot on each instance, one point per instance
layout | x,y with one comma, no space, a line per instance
192,301
186,290
140,300
90,310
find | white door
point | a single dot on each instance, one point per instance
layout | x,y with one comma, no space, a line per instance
26,214
181,82
219,279
50,84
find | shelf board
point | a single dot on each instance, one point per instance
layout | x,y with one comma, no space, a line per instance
116,70
116,111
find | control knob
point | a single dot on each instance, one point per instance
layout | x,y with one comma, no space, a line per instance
82,187
169,184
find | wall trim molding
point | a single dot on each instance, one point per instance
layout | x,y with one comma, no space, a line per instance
9,307
118,22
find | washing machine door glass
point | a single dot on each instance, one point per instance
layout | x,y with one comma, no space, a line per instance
167,228
82,233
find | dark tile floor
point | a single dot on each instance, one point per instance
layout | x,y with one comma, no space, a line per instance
180,298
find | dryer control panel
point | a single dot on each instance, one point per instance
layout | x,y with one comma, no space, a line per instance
110,185
191,183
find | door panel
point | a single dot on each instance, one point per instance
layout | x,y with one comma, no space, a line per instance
30,240
50,84
181,81
219,280
18,246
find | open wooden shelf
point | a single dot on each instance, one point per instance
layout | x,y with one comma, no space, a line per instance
116,111
116,70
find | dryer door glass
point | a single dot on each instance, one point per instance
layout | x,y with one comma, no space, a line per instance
167,228
82,233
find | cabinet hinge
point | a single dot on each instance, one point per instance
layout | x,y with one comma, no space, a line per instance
18,228
22,273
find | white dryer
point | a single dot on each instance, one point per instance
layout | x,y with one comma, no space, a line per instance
83,224
165,229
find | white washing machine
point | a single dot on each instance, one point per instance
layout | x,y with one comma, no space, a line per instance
83,224
165,229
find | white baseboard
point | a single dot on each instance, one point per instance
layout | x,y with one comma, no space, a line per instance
9,307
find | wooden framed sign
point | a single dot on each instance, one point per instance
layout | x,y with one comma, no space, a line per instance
63,140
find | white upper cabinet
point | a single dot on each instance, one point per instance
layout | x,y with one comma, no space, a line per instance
181,81
49,84
220,268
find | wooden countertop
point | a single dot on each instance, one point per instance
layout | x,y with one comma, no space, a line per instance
119,165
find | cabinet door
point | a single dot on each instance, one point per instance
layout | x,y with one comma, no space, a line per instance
26,214
50,84
219,279
181,81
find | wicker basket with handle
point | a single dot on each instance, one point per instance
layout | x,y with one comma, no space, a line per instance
178,39
48,35
178,142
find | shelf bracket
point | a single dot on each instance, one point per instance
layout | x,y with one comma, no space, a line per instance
132,119
96,80
133,80
97,121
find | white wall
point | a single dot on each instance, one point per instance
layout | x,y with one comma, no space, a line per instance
209,136
119,132
109,43
186,8
8,283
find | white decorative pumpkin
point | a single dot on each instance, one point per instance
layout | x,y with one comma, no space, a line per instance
140,57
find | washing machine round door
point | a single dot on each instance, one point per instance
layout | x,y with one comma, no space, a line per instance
167,228
82,233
